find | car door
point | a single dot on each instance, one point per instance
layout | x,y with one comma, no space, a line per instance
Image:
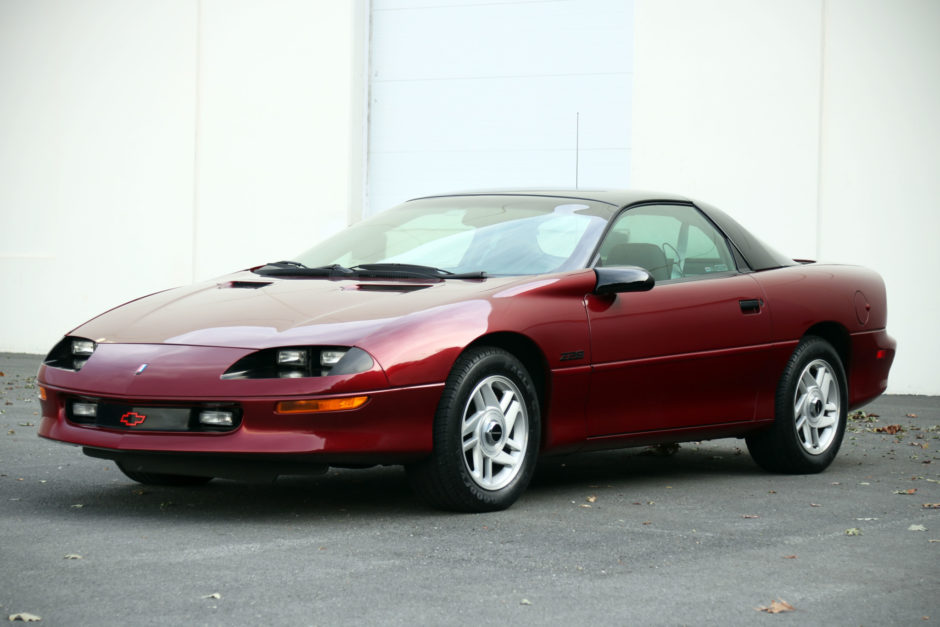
690,351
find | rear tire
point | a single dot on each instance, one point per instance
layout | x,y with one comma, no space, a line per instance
810,412
486,435
159,478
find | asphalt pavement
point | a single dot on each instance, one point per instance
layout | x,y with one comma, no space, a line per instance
633,537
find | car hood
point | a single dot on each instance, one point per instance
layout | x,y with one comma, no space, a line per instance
247,311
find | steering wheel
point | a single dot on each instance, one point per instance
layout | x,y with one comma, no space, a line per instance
679,261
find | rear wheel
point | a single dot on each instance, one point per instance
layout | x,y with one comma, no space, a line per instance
486,435
810,412
159,478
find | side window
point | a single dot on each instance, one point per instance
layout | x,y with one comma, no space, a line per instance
670,241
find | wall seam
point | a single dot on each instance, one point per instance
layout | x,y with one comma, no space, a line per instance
197,115
820,129
366,121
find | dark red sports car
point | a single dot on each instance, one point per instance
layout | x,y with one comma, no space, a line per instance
465,335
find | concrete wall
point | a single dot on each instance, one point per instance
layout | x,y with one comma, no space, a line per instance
144,145
817,124
149,144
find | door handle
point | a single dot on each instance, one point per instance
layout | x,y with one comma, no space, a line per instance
751,305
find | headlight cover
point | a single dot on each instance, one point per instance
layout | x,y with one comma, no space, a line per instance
294,362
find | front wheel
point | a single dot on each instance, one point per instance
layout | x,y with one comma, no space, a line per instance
486,435
810,412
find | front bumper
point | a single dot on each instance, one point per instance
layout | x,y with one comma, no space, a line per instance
395,425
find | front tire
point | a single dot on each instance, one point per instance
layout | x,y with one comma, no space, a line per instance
486,435
159,478
810,412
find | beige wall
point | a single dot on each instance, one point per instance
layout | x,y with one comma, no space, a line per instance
817,124
148,144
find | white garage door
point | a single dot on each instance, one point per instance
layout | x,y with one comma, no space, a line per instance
471,94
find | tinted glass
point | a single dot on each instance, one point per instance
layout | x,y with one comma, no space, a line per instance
670,241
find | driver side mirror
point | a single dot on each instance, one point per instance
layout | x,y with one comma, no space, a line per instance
620,279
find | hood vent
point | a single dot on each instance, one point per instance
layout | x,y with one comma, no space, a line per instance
390,287
246,285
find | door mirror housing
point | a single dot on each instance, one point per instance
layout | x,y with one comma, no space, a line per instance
620,279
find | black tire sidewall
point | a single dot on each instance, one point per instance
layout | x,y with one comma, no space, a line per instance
796,458
456,488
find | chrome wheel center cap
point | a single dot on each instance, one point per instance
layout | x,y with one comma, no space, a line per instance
815,407
493,433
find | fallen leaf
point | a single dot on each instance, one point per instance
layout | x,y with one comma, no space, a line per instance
931,505
908,491
749,516
911,415
25,617
789,557
73,556
585,505
648,522
591,499
525,602
815,505
889,429
77,506
917,528
214,595
777,607
854,531
1,374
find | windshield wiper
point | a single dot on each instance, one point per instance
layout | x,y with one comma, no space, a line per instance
371,270
294,268
411,271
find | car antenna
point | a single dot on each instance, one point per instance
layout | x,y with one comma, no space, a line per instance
577,129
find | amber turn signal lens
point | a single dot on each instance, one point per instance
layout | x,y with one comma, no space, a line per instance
324,404
42,393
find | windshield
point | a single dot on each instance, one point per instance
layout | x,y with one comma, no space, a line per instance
498,235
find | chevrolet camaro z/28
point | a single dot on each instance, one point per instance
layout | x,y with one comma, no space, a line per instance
465,335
